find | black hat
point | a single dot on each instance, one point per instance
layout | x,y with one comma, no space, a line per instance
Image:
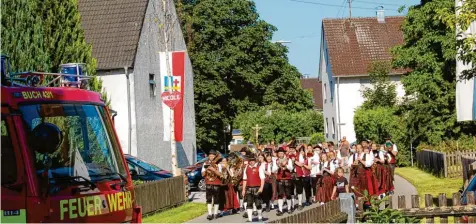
280,149
212,151
250,157
244,149
365,140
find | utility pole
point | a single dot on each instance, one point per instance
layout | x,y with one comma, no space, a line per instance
256,129
350,9
173,147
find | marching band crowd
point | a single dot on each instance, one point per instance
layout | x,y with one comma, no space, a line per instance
296,175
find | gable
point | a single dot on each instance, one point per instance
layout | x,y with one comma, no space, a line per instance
113,28
352,45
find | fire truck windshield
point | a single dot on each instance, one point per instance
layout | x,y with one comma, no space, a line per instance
88,148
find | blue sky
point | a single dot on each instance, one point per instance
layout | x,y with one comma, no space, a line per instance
300,23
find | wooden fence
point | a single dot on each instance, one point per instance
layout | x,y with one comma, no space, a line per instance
442,164
159,195
468,168
435,207
328,213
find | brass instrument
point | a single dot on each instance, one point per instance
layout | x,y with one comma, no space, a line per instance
212,176
282,163
235,162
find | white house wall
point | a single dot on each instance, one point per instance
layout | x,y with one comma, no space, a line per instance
329,104
115,86
351,97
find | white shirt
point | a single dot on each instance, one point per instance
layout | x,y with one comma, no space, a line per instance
381,156
314,162
271,167
204,169
262,176
332,168
369,159
290,165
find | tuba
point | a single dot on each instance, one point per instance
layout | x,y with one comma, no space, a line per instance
236,163
211,176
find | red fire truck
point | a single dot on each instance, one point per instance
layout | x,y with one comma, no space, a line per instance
61,159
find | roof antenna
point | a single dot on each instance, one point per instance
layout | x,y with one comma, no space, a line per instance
350,9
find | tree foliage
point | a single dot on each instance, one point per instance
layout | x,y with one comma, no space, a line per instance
429,50
236,67
382,93
279,124
317,138
460,23
41,35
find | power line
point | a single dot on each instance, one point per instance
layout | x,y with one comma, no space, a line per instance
338,6
376,2
342,7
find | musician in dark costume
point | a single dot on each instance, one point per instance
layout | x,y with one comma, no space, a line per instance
392,153
270,169
253,185
284,181
379,170
239,189
367,161
356,173
211,171
296,182
315,171
326,185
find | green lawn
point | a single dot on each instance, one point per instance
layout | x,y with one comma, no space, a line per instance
426,183
179,214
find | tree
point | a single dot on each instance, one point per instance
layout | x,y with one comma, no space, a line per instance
41,35
429,50
382,93
280,124
460,22
236,67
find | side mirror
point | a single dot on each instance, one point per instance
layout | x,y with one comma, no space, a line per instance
46,138
133,173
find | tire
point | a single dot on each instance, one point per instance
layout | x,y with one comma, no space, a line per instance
201,185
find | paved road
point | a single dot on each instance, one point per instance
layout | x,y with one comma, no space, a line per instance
402,187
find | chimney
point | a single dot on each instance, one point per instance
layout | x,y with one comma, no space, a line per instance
380,14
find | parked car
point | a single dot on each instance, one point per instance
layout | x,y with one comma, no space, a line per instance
145,171
194,175
464,196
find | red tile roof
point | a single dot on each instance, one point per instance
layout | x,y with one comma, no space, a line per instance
353,46
316,87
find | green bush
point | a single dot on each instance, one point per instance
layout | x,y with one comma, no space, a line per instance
464,143
317,138
386,215
378,123
279,124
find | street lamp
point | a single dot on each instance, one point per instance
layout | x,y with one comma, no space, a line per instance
282,41
226,129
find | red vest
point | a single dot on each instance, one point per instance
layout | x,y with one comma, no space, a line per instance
393,160
217,181
306,171
283,174
252,176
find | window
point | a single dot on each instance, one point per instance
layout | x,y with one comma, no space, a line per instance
9,164
152,85
327,126
325,92
138,169
331,87
89,148
333,126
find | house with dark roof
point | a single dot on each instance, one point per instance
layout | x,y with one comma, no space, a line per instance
315,85
348,48
129,42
